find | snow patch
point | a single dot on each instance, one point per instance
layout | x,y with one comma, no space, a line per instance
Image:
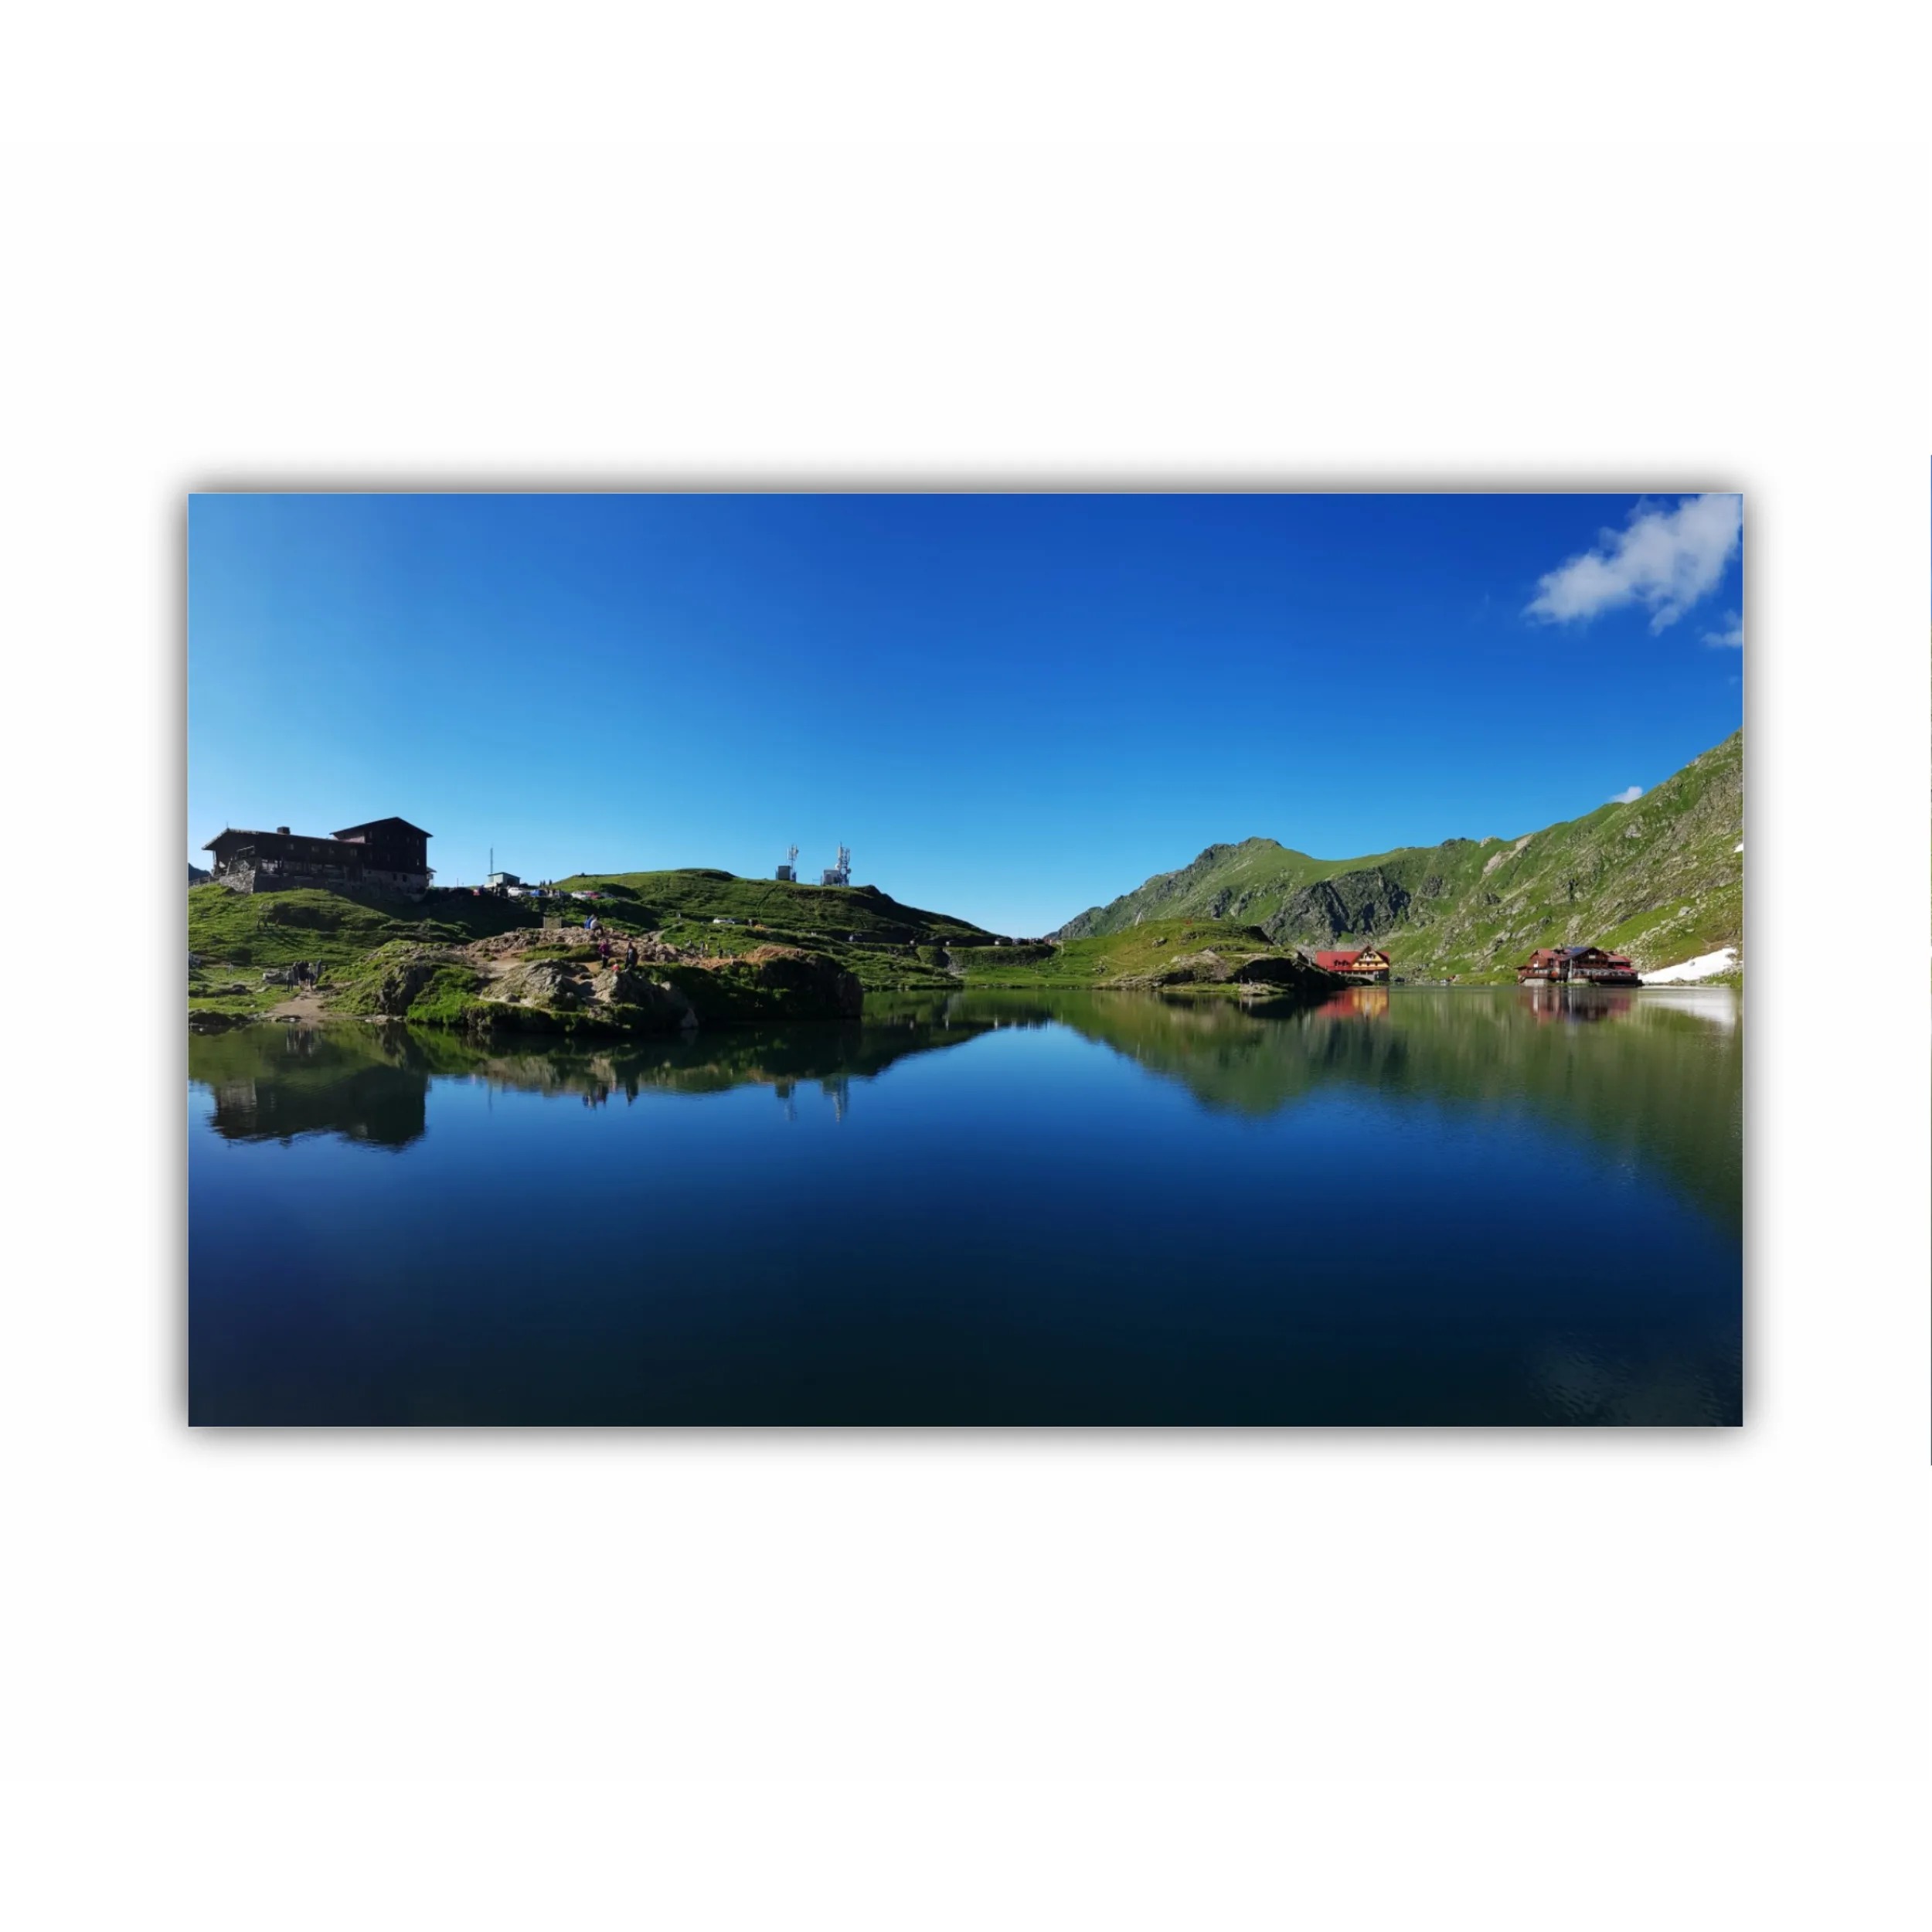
1724,960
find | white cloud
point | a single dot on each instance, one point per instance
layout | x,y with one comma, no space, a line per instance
1665,560
1628,796
1732,636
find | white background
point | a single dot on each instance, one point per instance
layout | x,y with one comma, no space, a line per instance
1426,1679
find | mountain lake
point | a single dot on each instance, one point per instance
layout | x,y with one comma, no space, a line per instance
1407,1205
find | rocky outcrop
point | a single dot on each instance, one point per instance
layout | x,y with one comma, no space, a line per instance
1360,904
649,1004
392,992
1286,969
1206,969
1288,972
558,983
811,978
668,991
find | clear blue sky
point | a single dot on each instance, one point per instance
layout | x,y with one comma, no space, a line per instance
1010,708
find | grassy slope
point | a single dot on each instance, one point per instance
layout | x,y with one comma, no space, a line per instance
242,933
1659,879
872,936
276,929
356,937
649,901
1137,951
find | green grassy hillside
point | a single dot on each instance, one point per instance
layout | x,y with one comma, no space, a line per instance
1154,949
1661,878
357,937
654,901
276,929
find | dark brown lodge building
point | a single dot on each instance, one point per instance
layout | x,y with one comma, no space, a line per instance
389,855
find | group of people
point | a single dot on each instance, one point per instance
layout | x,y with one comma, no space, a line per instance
606,952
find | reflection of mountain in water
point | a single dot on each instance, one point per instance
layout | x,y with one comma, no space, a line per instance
370,1083
1642,1078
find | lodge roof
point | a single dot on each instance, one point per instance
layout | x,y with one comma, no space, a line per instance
351,846
294,837
384,825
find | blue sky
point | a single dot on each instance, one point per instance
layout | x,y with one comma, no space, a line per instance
1010,708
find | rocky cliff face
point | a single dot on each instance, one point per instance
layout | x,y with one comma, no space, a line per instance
1370,902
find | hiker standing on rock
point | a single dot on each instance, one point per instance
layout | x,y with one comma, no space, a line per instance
630,954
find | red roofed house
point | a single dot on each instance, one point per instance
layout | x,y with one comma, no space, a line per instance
1368,965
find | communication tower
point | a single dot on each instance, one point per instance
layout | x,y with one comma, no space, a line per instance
840,874
789,870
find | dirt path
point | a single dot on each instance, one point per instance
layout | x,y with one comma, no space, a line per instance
304,1004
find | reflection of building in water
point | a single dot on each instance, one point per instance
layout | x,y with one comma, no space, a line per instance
383,1106
1358,1002
1582,1003
784,1089
839,1087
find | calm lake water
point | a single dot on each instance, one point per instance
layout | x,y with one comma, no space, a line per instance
1408,1206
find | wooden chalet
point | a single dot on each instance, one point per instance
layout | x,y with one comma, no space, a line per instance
389,855
1367,966
1576,965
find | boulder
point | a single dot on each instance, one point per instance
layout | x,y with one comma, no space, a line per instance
824,983
650,1000
544,982
1278,969
1194,969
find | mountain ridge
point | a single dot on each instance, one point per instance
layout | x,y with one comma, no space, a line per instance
1661,878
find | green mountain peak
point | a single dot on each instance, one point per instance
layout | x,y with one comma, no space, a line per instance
1661,878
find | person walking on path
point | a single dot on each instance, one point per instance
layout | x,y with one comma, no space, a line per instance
630,954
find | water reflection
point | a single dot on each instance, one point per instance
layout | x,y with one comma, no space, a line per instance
1402,1205
1358,1002
370,1083
1661,1084
275,1084
1583,1005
